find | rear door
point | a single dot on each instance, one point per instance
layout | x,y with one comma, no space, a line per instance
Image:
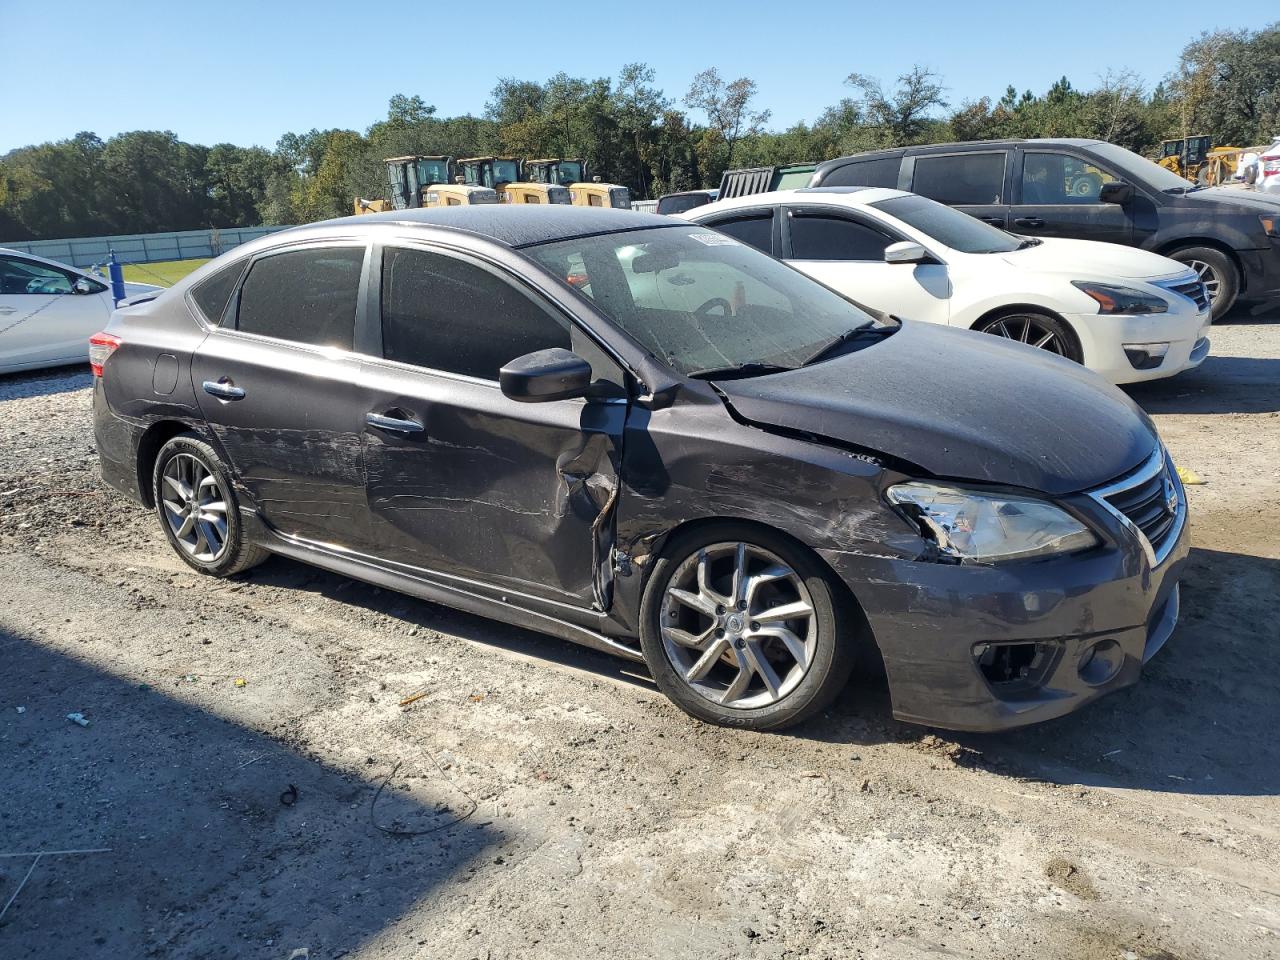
463,481
756,227
277,383
845,251
975,181
1055,194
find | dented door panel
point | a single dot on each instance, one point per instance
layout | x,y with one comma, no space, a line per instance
519,496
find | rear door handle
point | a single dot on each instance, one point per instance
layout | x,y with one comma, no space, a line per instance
383,422
5,311
223,389
1028,222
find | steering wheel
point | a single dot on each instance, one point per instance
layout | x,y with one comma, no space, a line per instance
711,304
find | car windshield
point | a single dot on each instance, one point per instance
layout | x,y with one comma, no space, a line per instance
703,302
1141,169
948,226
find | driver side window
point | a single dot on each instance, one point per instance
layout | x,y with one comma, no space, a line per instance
18,276
1058,178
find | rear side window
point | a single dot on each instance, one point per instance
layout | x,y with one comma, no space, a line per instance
447,314
835,238
962,178
880,172
755,230
308,296
211,294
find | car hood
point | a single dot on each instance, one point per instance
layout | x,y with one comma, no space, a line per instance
960,405
1247,199
1091,260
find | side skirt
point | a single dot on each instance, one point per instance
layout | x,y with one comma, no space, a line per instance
360,568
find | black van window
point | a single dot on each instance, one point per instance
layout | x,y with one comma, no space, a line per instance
961,178
879,172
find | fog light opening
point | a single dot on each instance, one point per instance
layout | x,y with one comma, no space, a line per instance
1100,662
1146,356
1007,662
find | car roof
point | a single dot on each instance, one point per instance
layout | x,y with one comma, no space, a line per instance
515,225
844,196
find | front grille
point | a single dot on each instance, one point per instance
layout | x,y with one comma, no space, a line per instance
1193,290
1152,500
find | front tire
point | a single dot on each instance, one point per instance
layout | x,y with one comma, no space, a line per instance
741,627
1035,329
198,509
1220,276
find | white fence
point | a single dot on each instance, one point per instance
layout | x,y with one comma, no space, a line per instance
142,247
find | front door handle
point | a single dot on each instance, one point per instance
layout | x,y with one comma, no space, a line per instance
5,311
994,221
383,422
1028,222
223,389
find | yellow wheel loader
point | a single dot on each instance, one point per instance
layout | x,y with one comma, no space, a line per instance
573,174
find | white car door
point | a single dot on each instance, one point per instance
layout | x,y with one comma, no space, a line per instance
846,252
43,320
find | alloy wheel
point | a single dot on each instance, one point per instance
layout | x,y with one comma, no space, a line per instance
1208,276
1029,329
738,625
195,507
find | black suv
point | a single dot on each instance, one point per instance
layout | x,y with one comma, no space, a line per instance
1090,190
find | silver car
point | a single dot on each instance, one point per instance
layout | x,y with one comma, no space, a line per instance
49,310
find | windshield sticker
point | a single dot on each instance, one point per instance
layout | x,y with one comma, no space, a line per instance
715,239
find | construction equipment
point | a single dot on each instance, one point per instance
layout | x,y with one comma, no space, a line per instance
555,170
1196,158
408,182
573,174
492,172
534,193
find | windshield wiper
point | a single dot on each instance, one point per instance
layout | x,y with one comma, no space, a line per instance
1183,191
831,346
1029,242
752,368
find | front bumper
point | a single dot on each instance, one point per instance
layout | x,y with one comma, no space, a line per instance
932,621
1103,339
1261,273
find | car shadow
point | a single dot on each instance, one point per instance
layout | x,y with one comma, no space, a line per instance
1219,385
414,612
26,384
214,838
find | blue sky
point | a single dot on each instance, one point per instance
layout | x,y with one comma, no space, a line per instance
246,72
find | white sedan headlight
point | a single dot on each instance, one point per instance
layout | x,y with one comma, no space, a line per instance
969,525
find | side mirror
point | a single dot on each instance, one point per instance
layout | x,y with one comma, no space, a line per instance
906,252
1117,191
82,286
555,374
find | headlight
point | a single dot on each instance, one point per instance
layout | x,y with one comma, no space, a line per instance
989,527
1114,299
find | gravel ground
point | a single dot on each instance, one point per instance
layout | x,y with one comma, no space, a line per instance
245,819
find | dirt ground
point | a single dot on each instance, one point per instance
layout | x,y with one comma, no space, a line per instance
245,820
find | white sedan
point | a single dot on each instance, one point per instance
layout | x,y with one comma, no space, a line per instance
1125,313
49,310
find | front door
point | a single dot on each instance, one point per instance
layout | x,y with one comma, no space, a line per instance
1056,195
847,254
278,386
463,481
42,318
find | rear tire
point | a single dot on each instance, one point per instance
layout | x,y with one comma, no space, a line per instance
1220,275
757,633
198,509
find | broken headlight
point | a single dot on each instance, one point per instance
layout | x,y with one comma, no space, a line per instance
968,525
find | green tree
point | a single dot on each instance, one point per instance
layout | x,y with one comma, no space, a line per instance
730,117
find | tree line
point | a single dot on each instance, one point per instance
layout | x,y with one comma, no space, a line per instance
1225,84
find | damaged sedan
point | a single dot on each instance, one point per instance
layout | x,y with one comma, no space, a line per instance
496,409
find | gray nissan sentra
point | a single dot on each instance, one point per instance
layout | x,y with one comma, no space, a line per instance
515,411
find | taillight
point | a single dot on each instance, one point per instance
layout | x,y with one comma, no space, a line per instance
101,346
1270,166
